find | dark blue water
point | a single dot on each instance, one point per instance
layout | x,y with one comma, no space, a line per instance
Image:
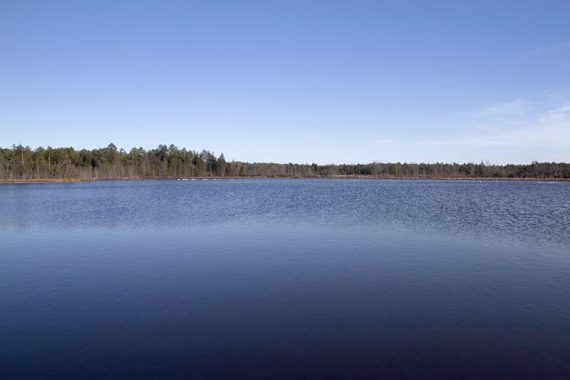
285,279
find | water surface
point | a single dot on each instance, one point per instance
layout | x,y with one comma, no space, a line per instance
285,279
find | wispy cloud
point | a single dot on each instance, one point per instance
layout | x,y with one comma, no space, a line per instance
545,127
386,141
518,123
517,107
548,49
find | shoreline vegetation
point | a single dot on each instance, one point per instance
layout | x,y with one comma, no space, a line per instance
474,179
48,165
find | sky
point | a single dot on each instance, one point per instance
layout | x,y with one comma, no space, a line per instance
291,81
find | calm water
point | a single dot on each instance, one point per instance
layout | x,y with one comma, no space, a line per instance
285,279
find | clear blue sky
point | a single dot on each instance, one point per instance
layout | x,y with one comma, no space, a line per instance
291,81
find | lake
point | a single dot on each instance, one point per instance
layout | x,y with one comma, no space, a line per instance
285,279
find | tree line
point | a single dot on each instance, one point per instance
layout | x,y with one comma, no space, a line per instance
20,163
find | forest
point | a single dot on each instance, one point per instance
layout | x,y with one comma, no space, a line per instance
20,163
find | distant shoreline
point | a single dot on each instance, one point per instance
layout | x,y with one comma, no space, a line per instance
23,164
471,179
